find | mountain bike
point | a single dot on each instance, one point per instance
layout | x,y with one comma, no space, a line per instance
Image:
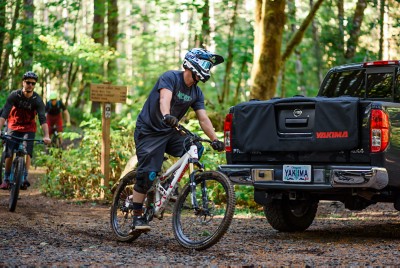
202,212
18,167
55,138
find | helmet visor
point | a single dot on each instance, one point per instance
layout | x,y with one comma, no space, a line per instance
204,64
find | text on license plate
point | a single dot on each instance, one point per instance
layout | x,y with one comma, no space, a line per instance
297,173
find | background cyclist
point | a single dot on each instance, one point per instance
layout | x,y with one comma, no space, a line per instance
20,111
171,97
54,110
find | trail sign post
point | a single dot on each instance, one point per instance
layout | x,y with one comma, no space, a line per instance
106,94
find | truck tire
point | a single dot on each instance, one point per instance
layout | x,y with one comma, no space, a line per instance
290,215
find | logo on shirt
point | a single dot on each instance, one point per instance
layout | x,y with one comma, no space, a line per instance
184,97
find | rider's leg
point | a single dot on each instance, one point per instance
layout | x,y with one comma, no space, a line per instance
60,128
150,148
7,172
143,183
29,150
8,162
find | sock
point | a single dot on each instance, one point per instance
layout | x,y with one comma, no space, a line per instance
137,209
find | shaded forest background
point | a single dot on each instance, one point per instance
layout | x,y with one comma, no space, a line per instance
271,48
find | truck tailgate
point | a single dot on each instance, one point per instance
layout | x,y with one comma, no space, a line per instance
296,124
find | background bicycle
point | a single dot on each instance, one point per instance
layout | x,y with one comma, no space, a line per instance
18,167
202,212
56,140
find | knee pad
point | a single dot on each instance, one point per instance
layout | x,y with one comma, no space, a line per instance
144,181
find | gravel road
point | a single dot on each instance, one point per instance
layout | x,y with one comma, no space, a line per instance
50,232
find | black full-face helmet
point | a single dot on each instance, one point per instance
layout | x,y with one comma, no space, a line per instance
200,62
31,75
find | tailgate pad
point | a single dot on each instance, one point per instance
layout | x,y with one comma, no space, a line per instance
296,124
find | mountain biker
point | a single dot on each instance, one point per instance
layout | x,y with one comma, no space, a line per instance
20,111
171,97
54,110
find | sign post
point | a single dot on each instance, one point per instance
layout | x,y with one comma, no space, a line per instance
106,94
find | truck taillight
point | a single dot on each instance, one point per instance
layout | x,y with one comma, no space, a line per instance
379,131
228,132
381,63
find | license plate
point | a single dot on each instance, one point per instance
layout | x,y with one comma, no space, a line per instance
297,173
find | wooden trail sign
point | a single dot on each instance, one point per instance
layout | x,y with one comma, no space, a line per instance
106,94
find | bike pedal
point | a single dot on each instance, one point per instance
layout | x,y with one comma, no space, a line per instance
133,231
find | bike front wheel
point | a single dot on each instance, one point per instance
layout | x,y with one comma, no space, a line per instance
121,213
56,141
18,170
202,226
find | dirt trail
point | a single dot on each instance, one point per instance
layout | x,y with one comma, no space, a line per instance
50,232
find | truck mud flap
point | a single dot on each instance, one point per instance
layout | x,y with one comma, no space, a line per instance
296,124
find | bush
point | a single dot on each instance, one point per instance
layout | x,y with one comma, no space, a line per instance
76,172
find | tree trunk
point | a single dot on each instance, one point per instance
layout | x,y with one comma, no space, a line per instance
204,38
317,48
72,70
112,32
295,41
98,21
381,27
355,29
2,27
27,35
340,40
267,63
229,58
9,47
240,78
98,36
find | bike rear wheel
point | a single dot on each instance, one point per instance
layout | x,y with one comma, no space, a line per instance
216,202
18,170
121,214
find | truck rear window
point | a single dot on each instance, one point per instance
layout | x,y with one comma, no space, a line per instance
352,82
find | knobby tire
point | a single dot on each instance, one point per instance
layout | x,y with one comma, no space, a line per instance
202,229
120,214
18,171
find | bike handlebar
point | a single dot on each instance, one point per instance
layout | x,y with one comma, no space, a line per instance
193,136
10,137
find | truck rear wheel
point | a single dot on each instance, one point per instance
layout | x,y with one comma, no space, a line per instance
290,215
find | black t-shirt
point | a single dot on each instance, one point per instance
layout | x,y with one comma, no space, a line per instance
183,98
21,112
55,109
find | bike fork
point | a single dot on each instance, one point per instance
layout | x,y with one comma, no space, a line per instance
193,184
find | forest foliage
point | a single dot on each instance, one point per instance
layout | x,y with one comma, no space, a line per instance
74,43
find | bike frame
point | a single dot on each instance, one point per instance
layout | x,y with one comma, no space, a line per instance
20,151
179,168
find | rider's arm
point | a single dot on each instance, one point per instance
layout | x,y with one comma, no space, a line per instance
2,121
7,108
205,124
165,101
40,109
46,137
66,117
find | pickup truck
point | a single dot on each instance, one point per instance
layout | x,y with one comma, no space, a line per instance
342,145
